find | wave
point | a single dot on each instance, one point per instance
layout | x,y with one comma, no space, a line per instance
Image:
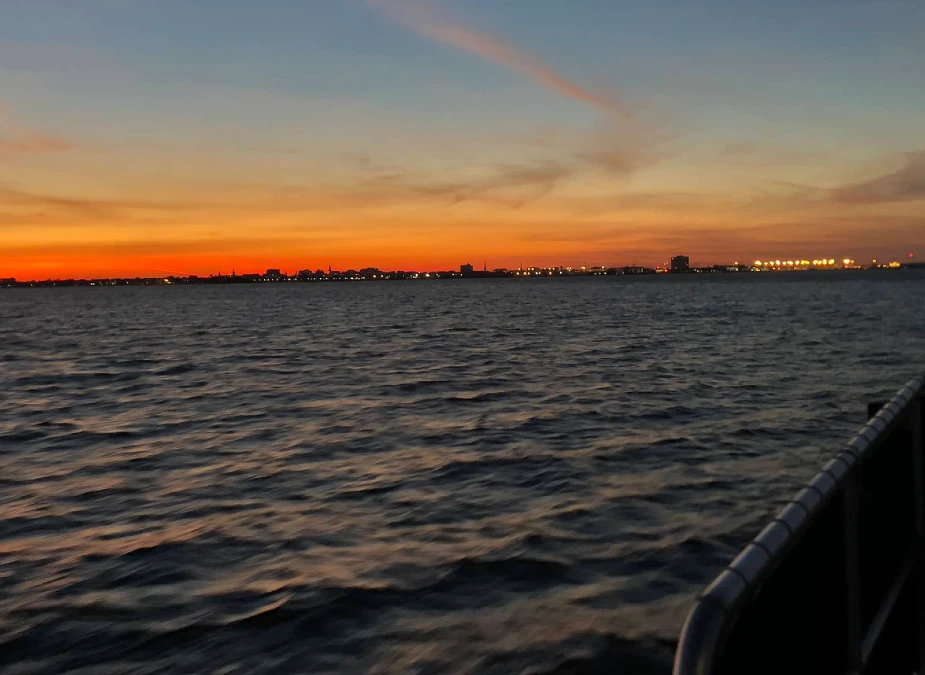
178,369
235,478
646,656
486,397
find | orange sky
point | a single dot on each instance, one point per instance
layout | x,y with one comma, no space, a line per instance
547,212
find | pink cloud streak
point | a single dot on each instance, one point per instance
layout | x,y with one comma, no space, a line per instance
426,21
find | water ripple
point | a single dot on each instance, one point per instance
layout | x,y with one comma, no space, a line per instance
451,477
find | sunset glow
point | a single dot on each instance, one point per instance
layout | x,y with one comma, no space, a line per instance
169,137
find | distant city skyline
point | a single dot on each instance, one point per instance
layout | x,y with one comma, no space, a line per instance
271,263
169,137
679,264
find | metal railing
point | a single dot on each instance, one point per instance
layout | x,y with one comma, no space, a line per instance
836,583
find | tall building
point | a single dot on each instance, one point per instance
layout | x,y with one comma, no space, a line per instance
466,269
680,263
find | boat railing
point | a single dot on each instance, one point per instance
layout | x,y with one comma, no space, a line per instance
835,583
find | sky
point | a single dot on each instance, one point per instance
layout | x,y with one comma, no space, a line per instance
155,137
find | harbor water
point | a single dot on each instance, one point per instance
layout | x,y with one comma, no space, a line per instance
478,476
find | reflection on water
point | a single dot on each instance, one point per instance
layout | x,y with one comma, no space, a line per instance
496,476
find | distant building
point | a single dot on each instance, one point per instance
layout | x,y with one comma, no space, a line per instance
273,275
466,269
7,282
680,263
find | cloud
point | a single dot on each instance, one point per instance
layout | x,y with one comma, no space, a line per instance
512,185
749,153
16,139
30,142
147,245
738,149
509,185
617,160
620,150
427,21
79,209
904,184
609,148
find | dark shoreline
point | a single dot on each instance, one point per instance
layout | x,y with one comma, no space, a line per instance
422,276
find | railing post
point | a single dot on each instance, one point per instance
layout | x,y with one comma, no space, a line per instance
918,467
853,573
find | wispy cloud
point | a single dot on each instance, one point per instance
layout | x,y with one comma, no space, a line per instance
511,185
435,25
65,209
607,147
14,138
741,148
31,142
905,184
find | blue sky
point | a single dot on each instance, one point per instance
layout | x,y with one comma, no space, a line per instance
792,64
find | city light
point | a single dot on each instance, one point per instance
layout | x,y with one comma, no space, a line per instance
678,265
806,264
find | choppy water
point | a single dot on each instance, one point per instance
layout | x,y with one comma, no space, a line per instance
484,476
